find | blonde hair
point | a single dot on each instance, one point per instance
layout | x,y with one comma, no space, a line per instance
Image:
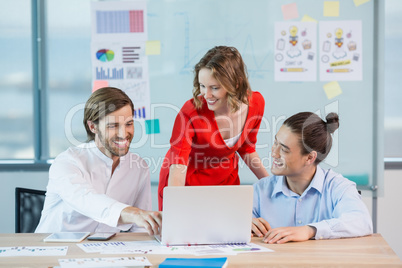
229,70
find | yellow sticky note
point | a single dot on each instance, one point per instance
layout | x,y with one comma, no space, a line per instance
360,2
308,19
331,9
290,11
332,89
153,48
99,84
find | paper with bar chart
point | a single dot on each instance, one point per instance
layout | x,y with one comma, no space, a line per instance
118,19
295,51
119,35
340,50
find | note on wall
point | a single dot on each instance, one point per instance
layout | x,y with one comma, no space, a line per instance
295,51
331,8
152,126
290,11
308,18
360,2
153,47
332,89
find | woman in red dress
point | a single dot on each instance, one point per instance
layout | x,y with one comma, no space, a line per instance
219,123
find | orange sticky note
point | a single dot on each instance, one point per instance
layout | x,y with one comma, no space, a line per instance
289,11
331,9
99,84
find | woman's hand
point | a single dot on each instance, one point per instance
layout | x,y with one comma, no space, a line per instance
177,175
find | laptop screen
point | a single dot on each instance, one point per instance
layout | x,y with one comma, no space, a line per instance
207,215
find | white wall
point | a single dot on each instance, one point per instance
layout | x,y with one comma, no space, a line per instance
389,206
389,211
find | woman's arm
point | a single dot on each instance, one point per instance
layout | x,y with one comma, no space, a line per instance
253,161
177,175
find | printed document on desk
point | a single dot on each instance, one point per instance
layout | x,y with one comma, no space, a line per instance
32,251
105,262
153,247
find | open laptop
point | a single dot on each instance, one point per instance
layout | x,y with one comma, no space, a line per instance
194,215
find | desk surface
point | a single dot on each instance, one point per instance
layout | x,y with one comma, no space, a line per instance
355,252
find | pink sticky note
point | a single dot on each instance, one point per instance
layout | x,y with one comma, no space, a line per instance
99,84
289,11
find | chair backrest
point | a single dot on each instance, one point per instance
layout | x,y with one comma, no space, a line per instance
28,209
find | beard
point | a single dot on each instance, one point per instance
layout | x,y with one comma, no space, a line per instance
111,147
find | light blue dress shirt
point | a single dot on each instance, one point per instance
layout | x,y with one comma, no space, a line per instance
330,203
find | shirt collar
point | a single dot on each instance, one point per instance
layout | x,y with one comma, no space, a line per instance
92,146
317,183
280,186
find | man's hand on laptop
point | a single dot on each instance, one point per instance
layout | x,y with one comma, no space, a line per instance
150,220
260,227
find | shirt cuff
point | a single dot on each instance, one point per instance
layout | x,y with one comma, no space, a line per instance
323,230
115,213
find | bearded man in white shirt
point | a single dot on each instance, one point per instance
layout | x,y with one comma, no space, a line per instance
100,186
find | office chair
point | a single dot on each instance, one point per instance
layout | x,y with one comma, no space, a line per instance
28,209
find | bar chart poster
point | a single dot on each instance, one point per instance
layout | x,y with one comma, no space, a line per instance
341,51
119,19
295,51
119,35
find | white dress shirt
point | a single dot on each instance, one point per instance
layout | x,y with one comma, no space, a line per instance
83,195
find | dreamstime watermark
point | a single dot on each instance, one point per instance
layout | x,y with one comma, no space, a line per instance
268,127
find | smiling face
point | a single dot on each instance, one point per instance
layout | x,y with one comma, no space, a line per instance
114,132
286,154
212,91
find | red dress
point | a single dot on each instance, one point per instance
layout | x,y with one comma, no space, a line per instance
197,143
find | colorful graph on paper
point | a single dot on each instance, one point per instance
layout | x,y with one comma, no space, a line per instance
120,21
109,73
105,55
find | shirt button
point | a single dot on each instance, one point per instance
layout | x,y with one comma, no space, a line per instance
300,199
300,222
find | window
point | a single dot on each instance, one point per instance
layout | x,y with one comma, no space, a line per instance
16,94
68,71
393,92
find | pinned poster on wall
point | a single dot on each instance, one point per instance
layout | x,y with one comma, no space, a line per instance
119,36
341,51
295,51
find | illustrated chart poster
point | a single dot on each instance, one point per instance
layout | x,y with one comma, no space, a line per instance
295,51
341,51
119,35
125,66
119,19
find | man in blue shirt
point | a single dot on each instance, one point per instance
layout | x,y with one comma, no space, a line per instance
301,200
